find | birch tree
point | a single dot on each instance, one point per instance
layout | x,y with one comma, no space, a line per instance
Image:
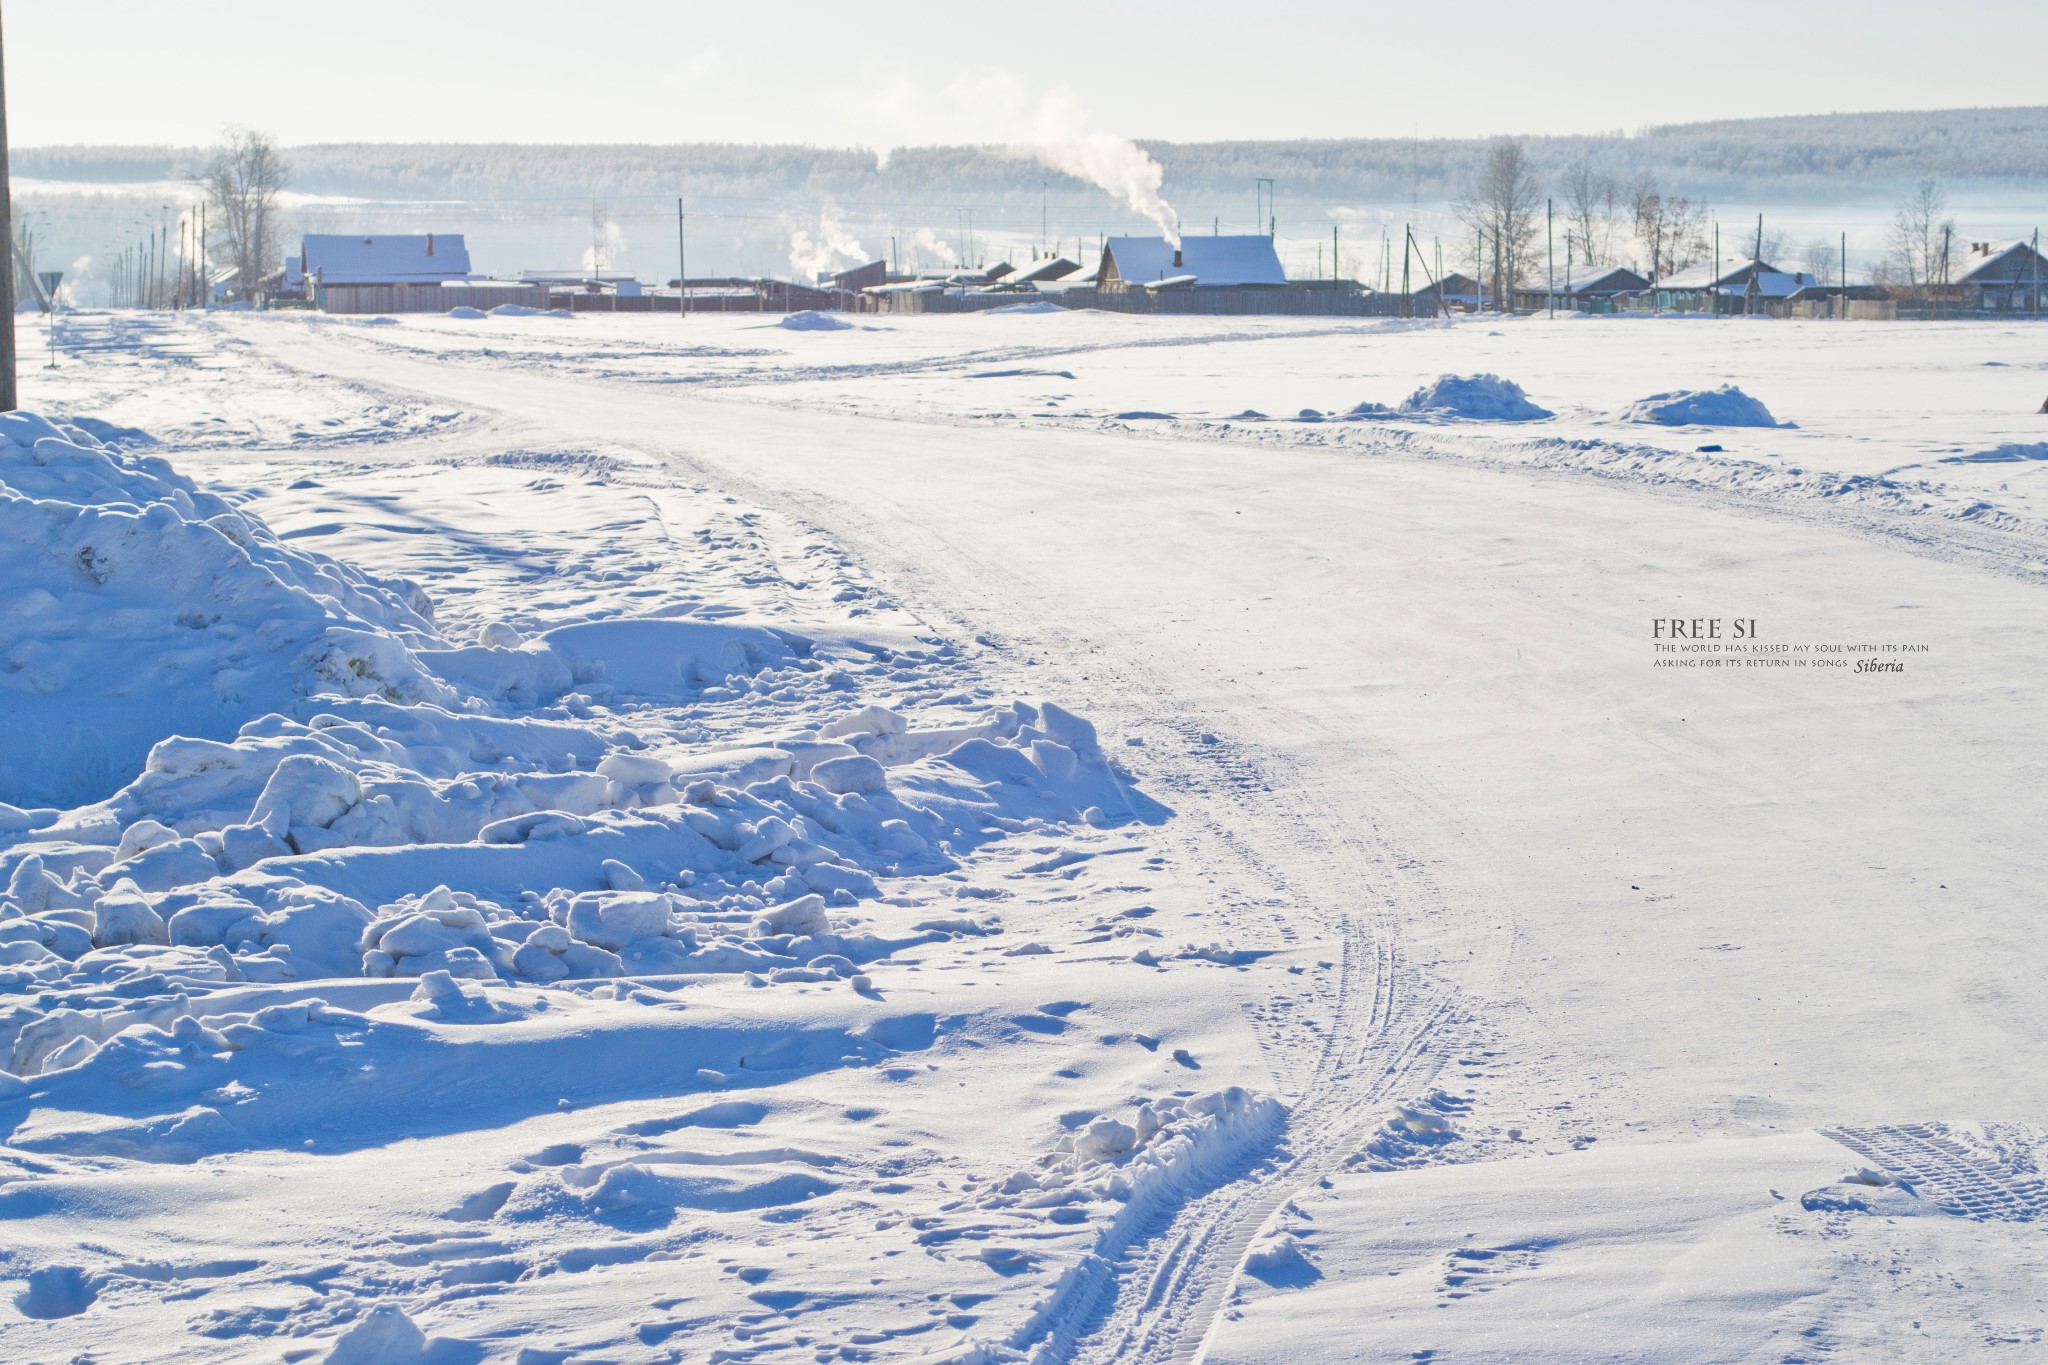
242,184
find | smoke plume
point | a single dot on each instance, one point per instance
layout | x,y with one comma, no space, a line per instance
1064,141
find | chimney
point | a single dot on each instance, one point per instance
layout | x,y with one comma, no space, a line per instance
430,244
1176,258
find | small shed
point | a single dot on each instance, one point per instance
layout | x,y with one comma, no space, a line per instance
1213,262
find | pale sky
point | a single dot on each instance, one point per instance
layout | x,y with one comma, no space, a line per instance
153,71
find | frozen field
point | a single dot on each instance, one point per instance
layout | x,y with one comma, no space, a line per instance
1030,836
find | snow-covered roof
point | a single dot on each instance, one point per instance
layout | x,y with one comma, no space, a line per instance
1594,279
573,275
1981,257
1055,268
1213,261
294,273
1730,271
341,258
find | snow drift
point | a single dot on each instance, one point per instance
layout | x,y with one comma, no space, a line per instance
133,606
809,321
1726,406
1473,397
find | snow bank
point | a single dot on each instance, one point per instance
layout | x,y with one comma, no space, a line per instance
465,311
1473,397
1726,406
123,583
558,846
809,321
1035,306
2012,452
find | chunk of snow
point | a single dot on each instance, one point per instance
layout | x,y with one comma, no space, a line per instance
1473,397
810,321
1726,406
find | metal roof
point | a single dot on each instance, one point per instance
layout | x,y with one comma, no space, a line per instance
1213,261
344,258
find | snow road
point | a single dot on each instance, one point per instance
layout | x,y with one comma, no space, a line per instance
1405,702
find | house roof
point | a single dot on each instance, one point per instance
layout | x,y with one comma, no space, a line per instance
1985,258
1594,279
1213,261
341,258
1055,268
573,275
1729,272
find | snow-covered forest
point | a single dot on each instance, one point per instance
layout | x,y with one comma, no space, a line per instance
1723,157
789,210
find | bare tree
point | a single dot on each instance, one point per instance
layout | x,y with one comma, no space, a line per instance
1820,259
1672,230
1501,207
1920,236
242,185
1585,187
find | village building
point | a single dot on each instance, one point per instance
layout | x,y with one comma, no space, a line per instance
1732,285
1456,290
1584,289
330,258
1248,262
1999,277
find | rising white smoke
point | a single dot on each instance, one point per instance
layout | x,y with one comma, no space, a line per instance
924,242
1064,140
607,245
830,247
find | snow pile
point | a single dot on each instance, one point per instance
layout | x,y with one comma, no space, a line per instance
122,583
1411,1133
2012,452
1726,406
1473,397
288,853
1035,306
465,311
1109,1159
809,321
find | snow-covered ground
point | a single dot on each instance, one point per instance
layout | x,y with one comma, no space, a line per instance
636,877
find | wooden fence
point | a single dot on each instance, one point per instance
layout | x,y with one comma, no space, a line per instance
775,297
1282,302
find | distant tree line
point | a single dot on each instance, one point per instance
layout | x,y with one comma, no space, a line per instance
1719,158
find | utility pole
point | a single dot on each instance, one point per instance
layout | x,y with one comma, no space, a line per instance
1844,296
1407,246
1714,284
1044,212
2037,274
10,397
1550,252
1943,300
1497,300
1333,255
682,263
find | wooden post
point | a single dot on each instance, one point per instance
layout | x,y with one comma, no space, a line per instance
1550,255
682,263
